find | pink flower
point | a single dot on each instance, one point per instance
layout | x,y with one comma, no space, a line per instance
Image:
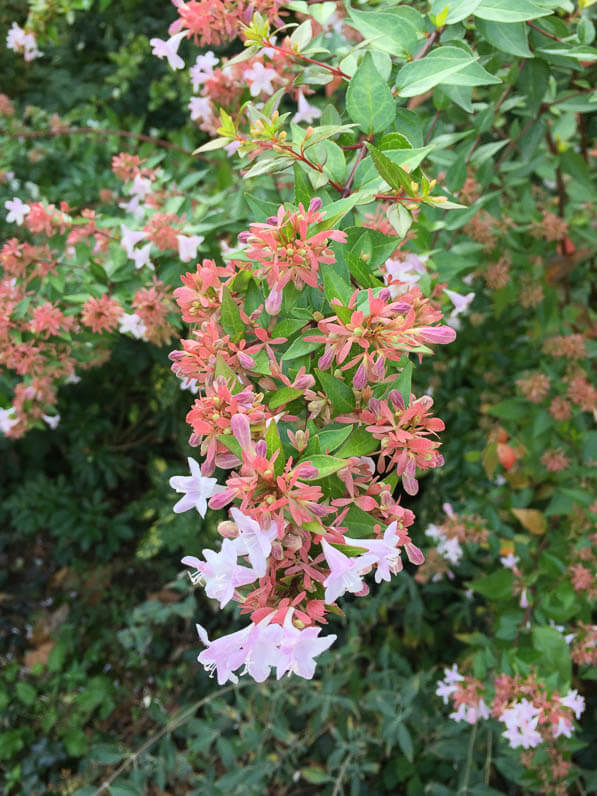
201,109
51,420
448,686
384,551
471,713
255,647
187,246
203,68
574,701
305,113
509,561
298,648
254,541
130,238
260,79
459,301
169,49
521,722
345,573
220,572
132,324
8,419
141,257
197,488
17,210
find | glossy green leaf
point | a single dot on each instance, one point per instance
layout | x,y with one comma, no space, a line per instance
436,67
369,101
509,10
326,465
396,30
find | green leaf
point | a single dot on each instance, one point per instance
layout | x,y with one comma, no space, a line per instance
391,172
510,409
360,443
403,385
405,742
360,271
400,218
369,101
509,10
396,30
359,523
302,187
330,440
274,443
326,465
299,348
231,321
507,37
287,327
497,586
25,692
283,396
457,9
334,286
316,776
105,753
76,742
554,652
339,392
436,67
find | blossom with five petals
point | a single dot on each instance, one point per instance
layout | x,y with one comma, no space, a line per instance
220,572
197,488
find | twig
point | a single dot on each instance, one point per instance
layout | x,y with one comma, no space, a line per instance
97,131
543,32
499,103
170,726
559,177
340,777
333,69
349,182
429,43
469,760
488,757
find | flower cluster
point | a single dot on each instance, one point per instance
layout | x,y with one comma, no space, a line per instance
48,333
531,718
289,549
20,41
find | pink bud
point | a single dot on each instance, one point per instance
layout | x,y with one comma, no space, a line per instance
307,470
436,334
242,430
360,377
245,360
415,556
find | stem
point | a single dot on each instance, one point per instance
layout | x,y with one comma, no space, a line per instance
349,182
543,32
488,757
559,177
97,131
340,777
499,103
334,70
429,43
469,760
171,725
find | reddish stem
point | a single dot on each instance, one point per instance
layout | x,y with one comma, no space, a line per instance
334,70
